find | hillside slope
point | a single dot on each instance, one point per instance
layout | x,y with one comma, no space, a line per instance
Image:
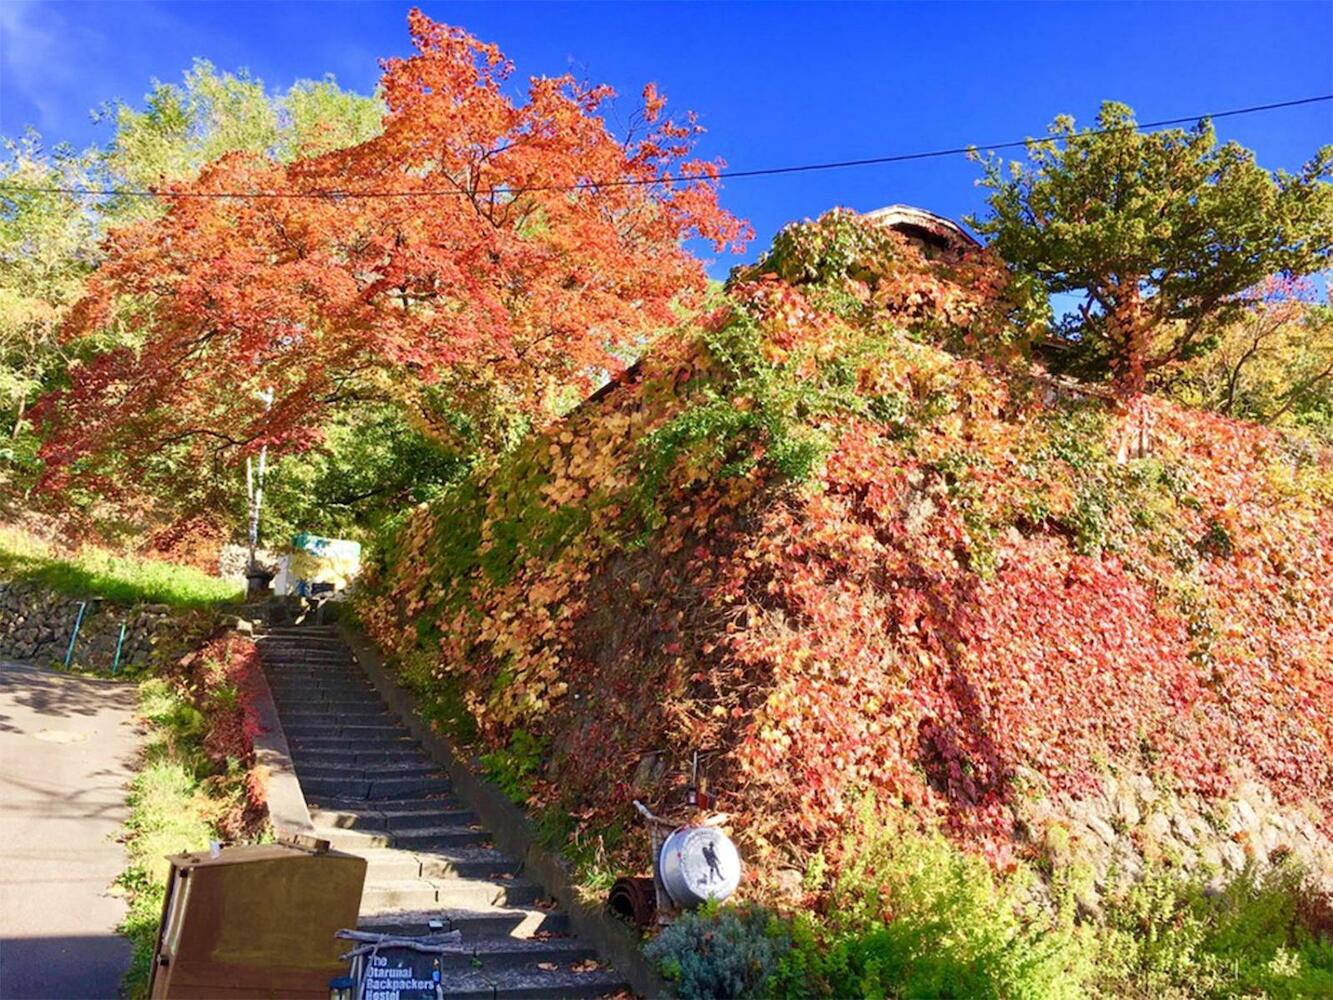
834,558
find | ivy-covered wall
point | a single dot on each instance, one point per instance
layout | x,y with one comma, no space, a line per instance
823,541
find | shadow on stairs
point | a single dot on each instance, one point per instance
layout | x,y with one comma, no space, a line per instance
373,791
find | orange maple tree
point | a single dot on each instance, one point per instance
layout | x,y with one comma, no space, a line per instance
479,253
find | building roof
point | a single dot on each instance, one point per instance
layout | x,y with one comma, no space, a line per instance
934,231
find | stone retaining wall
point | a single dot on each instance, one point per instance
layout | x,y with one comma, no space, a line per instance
35,625
1131,824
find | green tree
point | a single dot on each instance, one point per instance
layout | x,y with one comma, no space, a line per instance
1158,232
50,242
47,248
1273,364
182,127
371,465
318,116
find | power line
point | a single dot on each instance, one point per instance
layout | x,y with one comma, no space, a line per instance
636,182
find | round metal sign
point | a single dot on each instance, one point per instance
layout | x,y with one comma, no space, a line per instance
699,863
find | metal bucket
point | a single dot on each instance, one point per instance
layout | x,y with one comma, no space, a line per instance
699,863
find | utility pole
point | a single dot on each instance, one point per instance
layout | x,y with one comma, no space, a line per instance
254,488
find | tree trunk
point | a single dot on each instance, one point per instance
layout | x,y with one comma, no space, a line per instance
1135,431
1129,331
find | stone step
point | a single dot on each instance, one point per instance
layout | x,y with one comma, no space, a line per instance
442,863
316,701
315,675
299,730
492,954
364,715
413,805
285,691
511,952
281,665
328,683
419,767
354,714
345,669
428,838
301,633
468,863
350,676
285,662
356,758
379,788
398,894
392,821
330,712
335,680
299,636
274,652
518,922
469,893
525,982
345,674
315,693
531,983
273,640
446,893
351,744
386,864
374,792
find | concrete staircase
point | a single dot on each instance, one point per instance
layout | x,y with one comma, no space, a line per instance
373,791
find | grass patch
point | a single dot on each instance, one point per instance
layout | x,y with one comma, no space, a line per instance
166,817
175,803
95,572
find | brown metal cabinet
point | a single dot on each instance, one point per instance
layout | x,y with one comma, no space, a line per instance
256,922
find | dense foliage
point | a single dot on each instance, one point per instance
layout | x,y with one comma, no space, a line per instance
828,555
1273,364
50,240
536,247
912,916
833,531
727,952
1158,232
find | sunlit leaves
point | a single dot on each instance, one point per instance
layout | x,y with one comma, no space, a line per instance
478,271
957,584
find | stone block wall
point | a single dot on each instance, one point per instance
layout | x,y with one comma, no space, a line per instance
1129,824
35,626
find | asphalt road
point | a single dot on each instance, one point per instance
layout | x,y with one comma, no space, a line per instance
66,753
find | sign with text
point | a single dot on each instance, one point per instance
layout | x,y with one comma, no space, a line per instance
397,973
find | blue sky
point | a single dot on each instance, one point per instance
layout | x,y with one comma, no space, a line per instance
774,83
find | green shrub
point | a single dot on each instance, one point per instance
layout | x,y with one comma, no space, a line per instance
1168,937
911,915
721,952
176,728
165,818
440,695
516,766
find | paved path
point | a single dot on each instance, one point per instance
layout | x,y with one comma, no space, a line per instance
66,753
